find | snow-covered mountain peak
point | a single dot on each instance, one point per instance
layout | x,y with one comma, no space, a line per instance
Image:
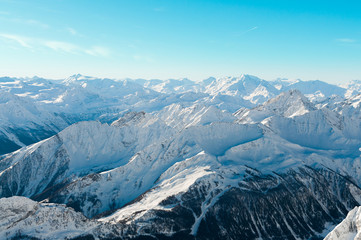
232,84
259,95
208,81
282,83
289,104
170,85
77,77
248,87
180,117
317,87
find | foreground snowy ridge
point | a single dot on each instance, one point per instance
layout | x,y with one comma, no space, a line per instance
349,228
182,160
21,216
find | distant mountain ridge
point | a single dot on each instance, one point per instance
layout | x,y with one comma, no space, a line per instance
79,98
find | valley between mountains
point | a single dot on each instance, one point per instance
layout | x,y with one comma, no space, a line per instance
225,158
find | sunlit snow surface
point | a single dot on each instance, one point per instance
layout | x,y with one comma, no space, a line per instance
349,228
136,143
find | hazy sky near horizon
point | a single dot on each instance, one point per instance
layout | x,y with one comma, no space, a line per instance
174,39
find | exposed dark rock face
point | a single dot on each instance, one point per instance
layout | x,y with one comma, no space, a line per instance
296,205
292,205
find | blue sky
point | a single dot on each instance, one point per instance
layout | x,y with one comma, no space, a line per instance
175,39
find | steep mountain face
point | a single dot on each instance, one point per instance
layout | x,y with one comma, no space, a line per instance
180,117
186,168
288,104
80,149
349,110
23,123
296,119
261,206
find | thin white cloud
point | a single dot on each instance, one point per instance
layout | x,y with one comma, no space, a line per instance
34,23
72,31
251,29
346,40
58,46
98,51
5,16
62,46
23,41
247,31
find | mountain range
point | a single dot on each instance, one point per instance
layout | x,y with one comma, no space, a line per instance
225,158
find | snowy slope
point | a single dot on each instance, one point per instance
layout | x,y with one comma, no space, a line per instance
316,90
83,98
249,87
171,159
44,107
288,104
353,88
23,122
349,109
180,117
296,119
101,192
349,228
205,152
170,85
80,149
